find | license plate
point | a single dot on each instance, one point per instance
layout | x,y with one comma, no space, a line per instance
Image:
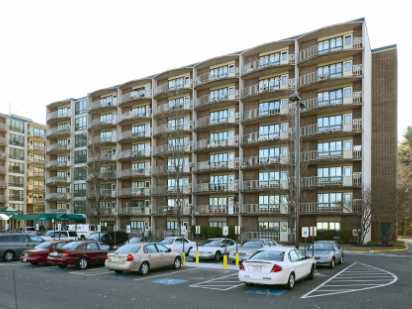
54,254
257,268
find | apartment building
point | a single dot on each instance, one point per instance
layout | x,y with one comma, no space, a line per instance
22,160
266,138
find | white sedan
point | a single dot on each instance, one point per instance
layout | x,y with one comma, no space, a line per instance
179,244
277,266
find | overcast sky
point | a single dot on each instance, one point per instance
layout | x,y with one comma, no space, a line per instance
51,50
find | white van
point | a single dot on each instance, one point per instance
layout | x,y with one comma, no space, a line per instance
83,230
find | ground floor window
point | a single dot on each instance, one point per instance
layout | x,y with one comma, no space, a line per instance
171,225
217,223
137,225
271,226
328,226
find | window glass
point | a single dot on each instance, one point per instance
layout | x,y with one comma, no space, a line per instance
92,247
162,249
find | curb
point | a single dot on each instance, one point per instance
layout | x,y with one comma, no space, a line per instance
210,266
405,248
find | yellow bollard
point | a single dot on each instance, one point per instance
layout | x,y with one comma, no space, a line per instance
225,261
183,258
237,259
197,257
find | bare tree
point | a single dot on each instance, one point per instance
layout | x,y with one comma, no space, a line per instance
366,217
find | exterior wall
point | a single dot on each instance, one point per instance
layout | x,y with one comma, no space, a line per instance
384,142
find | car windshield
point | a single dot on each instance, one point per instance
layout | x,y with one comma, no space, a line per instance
252,245
72,246
269,255
95,236
60,245
167,241
212,243
130,248
44,245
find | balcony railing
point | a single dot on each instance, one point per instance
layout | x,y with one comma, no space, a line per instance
166,149
331,208
314,77
165,129
256,113
257,185
313,129
345,181
207,77
256,90
128,154
55,163
256,209
134,192
254,137
102,156
351,154
131,135
57,196
206,100
255,65
212,166
57,148
111,174
257,161
105,193
57,130
164,190
213,187
102,139
211,144
186,210
166,107
32,173
217,210
164,88
134,211
165,170
57,179
58,115
103,103
102,122
103,211
313,51
135,115
208,121
146,172
314,103
136,95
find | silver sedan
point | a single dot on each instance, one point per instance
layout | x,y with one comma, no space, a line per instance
142,257
326,252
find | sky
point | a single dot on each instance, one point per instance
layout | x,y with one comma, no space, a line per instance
52,50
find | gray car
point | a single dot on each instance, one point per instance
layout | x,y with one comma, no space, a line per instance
326,252
249,247
12,245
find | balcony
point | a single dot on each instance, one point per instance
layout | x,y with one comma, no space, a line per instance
313,104
32,173
54,132
134,115
206,166
55,180
208,210
101,140
35,200
256,66
353,207
313,77
57,148
207,100
254,137
166,108
333,156
164,89
102,156
3,140
129,173
165,170
57,115
313,130
256,114
206,122
104,103
104,174
98,123
216,188
134,192
103,212
134,154
57,196
208,77
263,185
256,209
333,181
163,150
165,190
126,136
186,210
134,211
165,129
3,127
206,144
256,161
255,91
103,193
35,161
312,52
57,164
136,95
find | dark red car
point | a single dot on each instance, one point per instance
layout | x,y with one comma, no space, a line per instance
81,254
38,255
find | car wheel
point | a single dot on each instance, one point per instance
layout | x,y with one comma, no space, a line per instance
144,269
218,256
177,263
312,273
9,256
118,272
291,281
83,263
332,263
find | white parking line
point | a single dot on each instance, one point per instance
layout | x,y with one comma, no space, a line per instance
222,283
90,273
164,274
350,279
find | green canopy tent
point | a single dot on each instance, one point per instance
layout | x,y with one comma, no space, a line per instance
50,217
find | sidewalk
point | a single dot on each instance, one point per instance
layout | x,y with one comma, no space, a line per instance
376,249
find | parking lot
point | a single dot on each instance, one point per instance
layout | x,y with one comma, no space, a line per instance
364,281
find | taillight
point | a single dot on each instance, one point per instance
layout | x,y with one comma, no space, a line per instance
241,266
130,258
276,268
66,254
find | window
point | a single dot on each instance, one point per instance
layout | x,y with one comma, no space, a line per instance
91,246
16,167
331,97
137,225
275,58
329,200
33,131
80,106
80,156
219,137
172,184
16,195
267,154
220,223
139,130
332,148
330,45
328,226
80,173
177,142
140,149
16,153
216,181
63,111
220,116
272,226
272,202
106,136
79,206
272,130
180,82
80,123
273,83
333,174
272,178
138,92
16,181
293,256
171,225
222,158
271,107
330,123
218,202
222,71
16,139
80,140
16,125
140,111
222,94
177,164
176,123
79,189
179,102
